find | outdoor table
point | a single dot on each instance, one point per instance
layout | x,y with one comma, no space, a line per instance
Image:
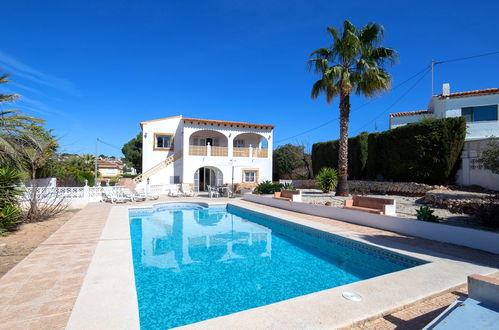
223,190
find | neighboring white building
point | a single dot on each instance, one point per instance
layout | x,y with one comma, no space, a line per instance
480,108
201,152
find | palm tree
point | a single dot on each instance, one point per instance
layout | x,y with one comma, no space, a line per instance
354,63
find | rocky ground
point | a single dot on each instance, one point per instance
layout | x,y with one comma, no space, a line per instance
406,207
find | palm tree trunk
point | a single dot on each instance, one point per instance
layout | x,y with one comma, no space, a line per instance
342,187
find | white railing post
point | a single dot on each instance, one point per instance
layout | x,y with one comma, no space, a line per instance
208,149
86,192
251,151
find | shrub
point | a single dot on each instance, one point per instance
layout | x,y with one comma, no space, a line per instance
327,179
10,179
488,214
9,218
490,156
267,187
426,214
288,186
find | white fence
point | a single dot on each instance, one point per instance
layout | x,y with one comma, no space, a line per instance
76,196
161,189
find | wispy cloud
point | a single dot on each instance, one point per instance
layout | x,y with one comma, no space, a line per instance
31,104
16,67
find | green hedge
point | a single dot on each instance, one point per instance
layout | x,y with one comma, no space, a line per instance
325,154
426,151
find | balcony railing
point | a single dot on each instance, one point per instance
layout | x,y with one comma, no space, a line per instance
224,151
241,152
198,150
219,151
260,153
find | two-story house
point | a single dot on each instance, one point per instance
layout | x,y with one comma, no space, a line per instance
202,153
480,108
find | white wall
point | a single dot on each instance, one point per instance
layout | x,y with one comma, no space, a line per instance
451,107
151,157
404,120
477,239
472,171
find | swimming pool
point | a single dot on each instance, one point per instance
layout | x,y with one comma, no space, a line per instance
193,263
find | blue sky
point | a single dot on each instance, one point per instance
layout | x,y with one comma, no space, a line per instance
95,69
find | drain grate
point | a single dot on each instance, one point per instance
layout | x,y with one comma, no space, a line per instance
352,296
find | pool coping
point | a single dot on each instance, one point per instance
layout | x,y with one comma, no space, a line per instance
108,298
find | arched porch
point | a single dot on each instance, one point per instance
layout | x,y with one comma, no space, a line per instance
207,176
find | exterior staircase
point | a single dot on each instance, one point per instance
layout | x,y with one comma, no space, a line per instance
158,167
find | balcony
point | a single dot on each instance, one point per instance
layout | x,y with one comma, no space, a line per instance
208,151
224,151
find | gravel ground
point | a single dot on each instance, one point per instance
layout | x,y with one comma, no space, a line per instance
406,207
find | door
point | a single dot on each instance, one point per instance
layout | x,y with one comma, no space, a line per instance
196,181
209,141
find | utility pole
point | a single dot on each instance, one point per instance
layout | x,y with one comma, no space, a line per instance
96,154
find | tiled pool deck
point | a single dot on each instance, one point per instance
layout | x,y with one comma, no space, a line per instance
41,291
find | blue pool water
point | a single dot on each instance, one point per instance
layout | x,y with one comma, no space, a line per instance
193,263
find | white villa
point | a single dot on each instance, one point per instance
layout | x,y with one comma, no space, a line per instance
200,152
480,108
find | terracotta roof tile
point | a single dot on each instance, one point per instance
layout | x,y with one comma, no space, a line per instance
409,113
478,92
224,122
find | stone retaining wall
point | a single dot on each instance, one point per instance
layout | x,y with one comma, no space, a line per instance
458,201
377,187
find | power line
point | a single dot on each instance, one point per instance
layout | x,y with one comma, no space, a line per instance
108,144
467,57
353,110
396,101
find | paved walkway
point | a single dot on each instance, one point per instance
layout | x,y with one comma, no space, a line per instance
39,293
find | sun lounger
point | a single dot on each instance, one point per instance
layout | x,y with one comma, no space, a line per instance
173,193
133,197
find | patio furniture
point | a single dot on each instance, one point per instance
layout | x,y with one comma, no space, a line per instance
108,195
188,193
288,195
133,197
374,205
149,196
479,311
174,193
213,192
224,191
